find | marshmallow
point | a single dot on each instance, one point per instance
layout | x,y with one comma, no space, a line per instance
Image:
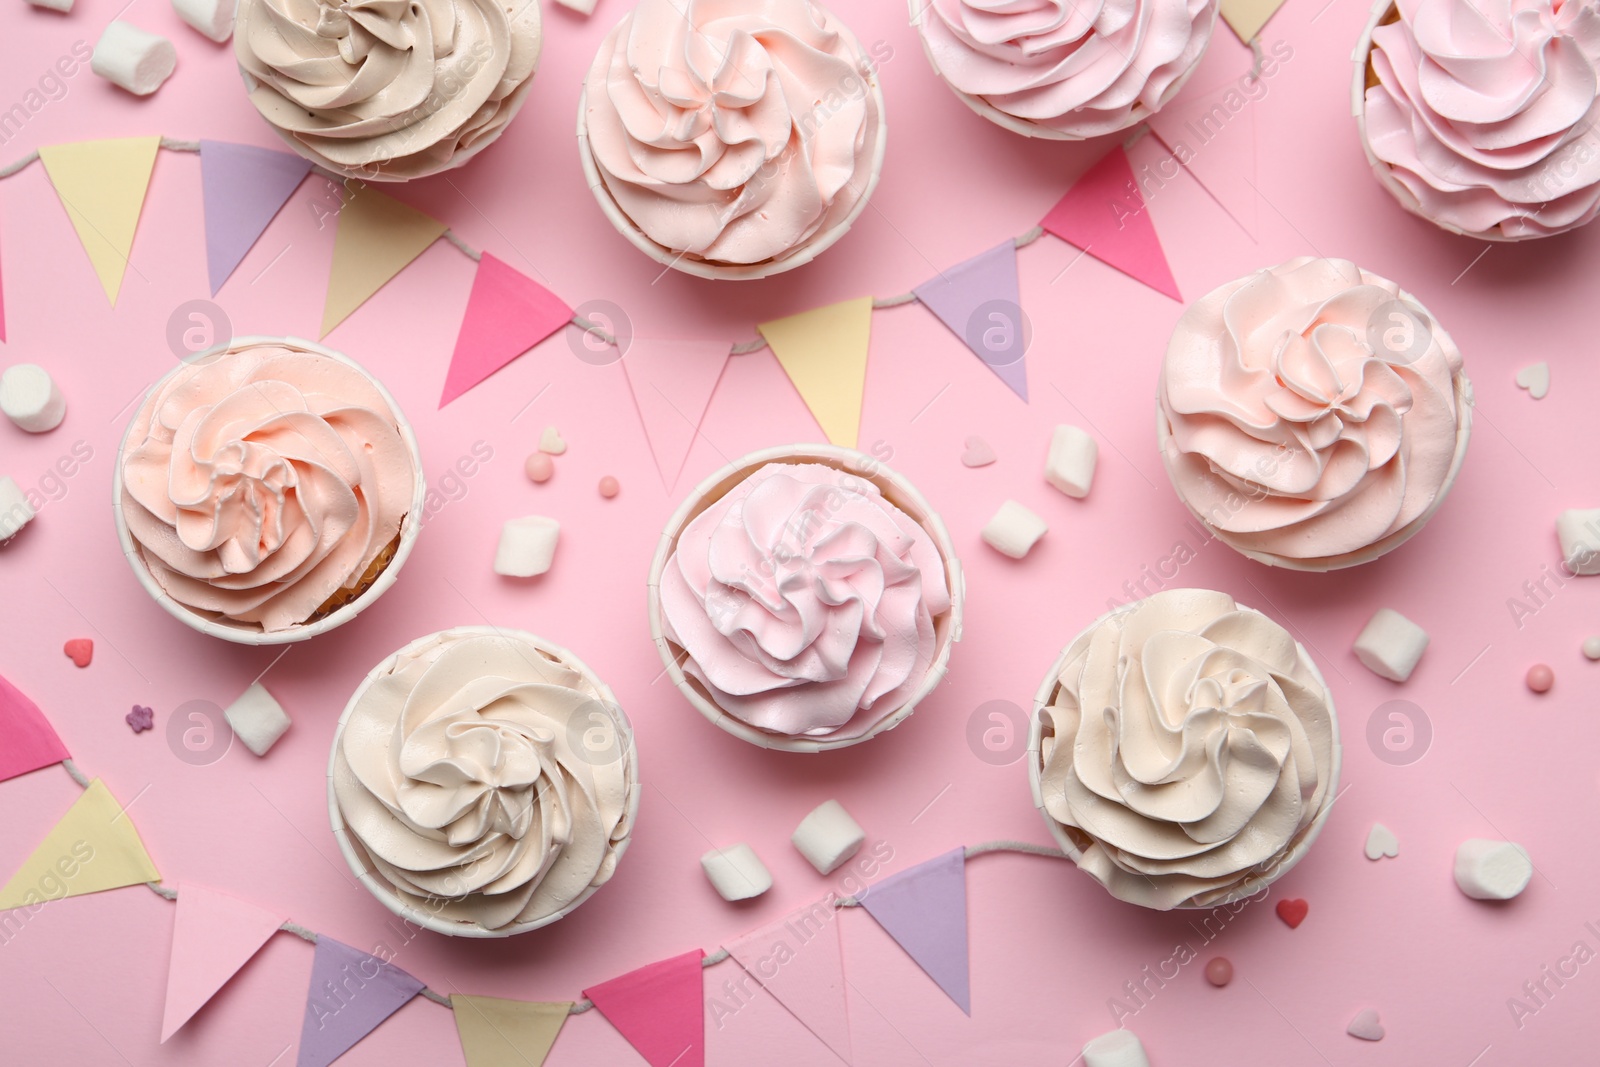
257,719
828,836
582,7
15,511
137,61
551,441
30,398
1013,530
736,872
53,5
1119,1048
526,546
1390,645
1579,533
1492,870
214,18
1070,465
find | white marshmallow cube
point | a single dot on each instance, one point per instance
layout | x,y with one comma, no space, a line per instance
1390,645
1492,870
1070,464
736,872
1578,530
527,546
214,18
1119,1048
137,61
828,836
30,398
582,7
257,719
15,511
53,5
1013,530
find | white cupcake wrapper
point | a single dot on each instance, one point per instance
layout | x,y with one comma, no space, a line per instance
250,634
1046,696
380,888
901,493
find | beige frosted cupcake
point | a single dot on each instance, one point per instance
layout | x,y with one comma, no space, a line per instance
731,141
267,491
805,598
1184,751
483,782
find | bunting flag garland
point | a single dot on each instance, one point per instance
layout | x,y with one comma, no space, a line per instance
93,848
924,908
658,1009
1104,214
672,382
824,353
507,1033
243,188
797,959
507,314
376,238
1213,135
30,742
1247,17
350,994
213,935
102,186
981,303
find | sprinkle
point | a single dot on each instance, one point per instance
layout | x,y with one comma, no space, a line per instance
80,650
140,719
539,467
609,487
1219,972
1541,678
1591,648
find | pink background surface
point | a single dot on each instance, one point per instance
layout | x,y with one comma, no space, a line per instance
83,981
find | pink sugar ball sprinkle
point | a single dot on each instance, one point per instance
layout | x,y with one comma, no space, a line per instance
609,487
1219,972
539,467
1541,678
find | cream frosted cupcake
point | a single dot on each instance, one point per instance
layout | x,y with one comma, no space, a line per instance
1060,70
1184,751
1479,115
805,598
731,140
483,782
388,91
267,491
1313,415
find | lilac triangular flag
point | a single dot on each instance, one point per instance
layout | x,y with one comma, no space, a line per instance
925,909
672,383
797,960
351,993
981,303
244,187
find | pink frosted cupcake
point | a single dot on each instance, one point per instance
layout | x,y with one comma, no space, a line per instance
1479,115
1055,69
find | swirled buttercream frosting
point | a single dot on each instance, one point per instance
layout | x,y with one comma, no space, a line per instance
806,601
1311,410
1188,750
265,484
484,779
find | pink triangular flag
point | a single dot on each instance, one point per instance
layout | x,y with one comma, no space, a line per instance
507,314
672,383
350,994
243,188
797,960
1104,214
27,741
658,1009
925,909
1213,134
213,935
981,303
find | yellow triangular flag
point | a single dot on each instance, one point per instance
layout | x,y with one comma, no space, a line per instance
377,237
93,848
102,186
824,352
506,1033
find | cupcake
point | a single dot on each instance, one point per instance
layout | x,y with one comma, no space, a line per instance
1312,415
267,491
387,91
1479,116
731,140
1184,751
805,598
1054,69
483,782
